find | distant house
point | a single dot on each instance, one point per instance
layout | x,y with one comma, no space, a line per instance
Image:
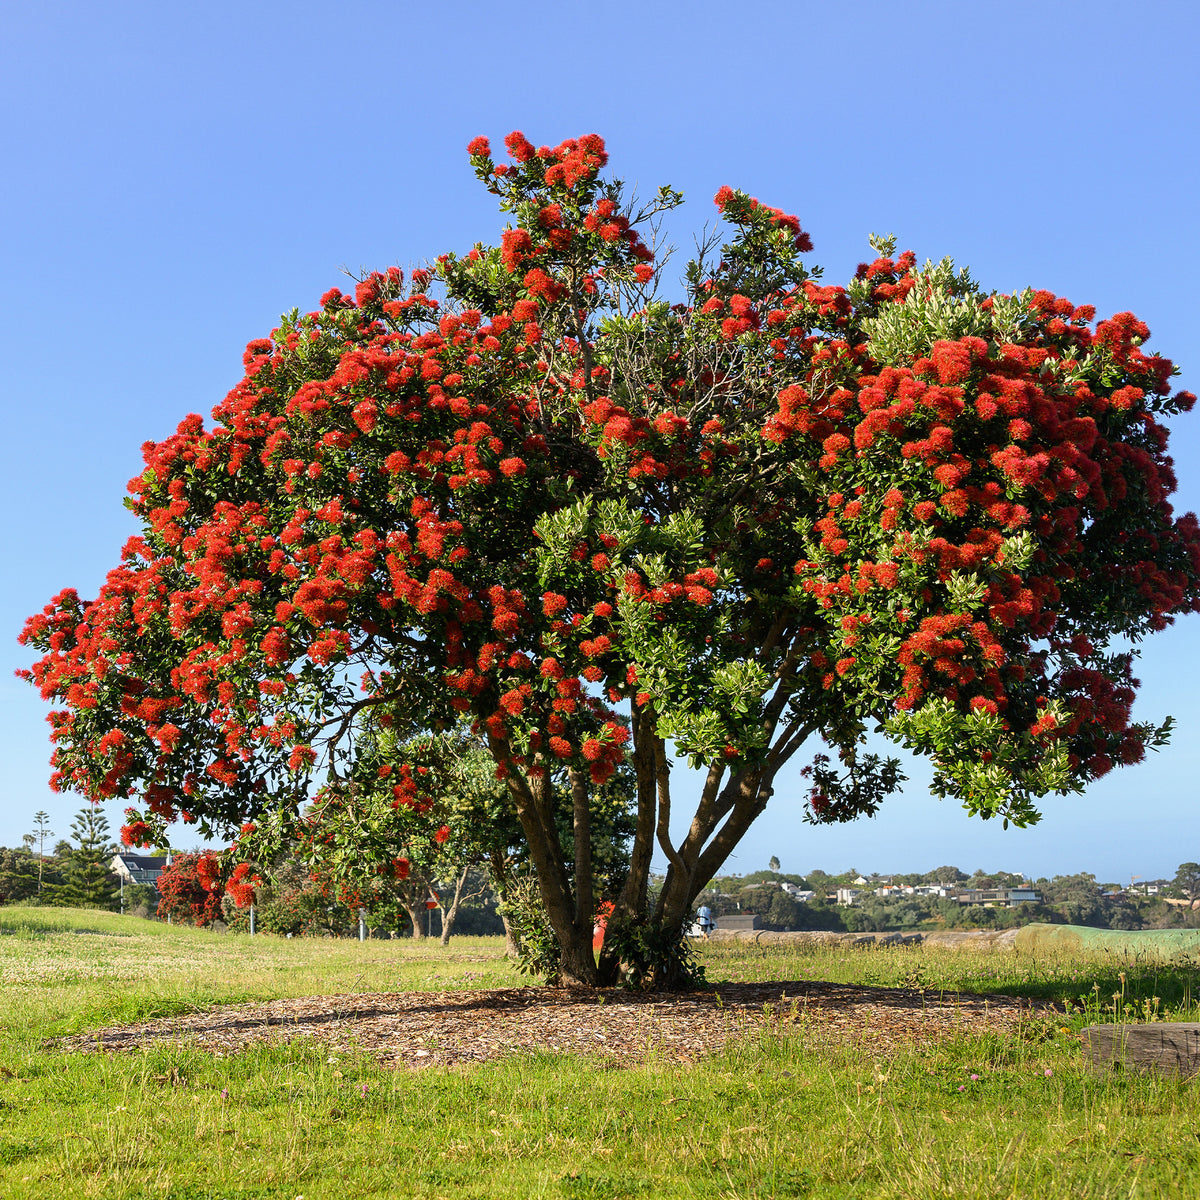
999,897
138,868
797,893
739,921
847,896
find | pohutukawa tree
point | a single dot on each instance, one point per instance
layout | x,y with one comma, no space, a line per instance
519,491
190,888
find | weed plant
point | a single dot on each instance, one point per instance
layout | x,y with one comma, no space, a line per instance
792,1111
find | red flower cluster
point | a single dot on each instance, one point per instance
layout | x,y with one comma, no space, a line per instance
243,884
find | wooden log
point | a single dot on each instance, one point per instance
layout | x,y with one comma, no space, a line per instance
1169,1047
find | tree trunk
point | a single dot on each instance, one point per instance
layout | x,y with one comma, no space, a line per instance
417,917
577,967
450,915
633,896
632,903
498,866
574,937
742,800
511,945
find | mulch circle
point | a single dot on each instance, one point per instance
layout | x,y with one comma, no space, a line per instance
418,1029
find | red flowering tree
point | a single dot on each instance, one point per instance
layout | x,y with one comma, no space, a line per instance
520,490
190,890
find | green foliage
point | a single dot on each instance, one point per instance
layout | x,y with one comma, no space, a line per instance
538,951
772,874
1187,880
943,305
862,785
653,956
18,875
782,911
141,899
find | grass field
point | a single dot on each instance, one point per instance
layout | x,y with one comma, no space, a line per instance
779,1115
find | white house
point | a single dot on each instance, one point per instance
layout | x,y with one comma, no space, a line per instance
999,897
797,893
137,868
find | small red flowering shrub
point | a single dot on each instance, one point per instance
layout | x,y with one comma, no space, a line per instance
522,492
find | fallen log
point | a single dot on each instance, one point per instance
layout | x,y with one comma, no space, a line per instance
1168,1047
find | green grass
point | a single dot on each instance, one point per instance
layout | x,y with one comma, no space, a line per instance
794,1115
1096,987
65,971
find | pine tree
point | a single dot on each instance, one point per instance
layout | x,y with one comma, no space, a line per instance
41,832
89,881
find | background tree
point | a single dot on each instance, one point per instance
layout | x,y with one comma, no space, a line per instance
41,832
774,863
1187,880
141,899
769,876
293,899
821,883
781,911
521,490
18,874
90,882
386,835
947,876
1076,897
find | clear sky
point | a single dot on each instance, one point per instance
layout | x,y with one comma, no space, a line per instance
176,176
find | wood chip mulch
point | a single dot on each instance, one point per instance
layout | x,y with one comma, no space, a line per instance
417,1029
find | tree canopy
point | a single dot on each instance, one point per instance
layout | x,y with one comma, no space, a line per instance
521,495
1187,880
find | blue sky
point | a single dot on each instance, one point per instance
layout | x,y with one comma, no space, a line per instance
177,176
